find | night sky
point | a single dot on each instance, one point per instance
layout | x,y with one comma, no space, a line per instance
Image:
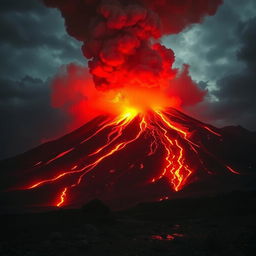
34,44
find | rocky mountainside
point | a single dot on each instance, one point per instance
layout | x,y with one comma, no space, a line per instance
90,159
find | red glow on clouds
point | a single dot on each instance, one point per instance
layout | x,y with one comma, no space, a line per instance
122,39
73,91
131,81
126,59
184,88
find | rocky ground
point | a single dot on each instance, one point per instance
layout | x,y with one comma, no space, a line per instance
220,225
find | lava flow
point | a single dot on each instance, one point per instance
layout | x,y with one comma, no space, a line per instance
137,146
168,134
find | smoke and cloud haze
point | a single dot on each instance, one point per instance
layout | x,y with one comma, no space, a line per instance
120,37
122,41
198,53
221,54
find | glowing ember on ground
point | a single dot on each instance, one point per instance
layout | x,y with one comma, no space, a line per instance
166,237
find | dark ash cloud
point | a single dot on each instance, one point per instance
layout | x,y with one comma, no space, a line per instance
221,53
234,96
26,116
33,44
237,91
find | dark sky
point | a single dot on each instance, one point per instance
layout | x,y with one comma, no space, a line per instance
34,44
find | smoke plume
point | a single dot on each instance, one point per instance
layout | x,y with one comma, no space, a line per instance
121,37
122,42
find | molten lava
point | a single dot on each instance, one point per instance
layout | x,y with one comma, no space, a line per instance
167,133
138,142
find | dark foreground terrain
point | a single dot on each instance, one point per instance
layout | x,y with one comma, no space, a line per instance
219,225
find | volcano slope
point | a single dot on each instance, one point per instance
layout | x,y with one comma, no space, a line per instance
128,159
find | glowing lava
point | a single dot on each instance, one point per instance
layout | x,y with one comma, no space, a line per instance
166,132
138,142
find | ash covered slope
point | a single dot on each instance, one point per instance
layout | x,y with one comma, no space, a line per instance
128,160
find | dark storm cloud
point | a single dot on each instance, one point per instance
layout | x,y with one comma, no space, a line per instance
210,48
33,40
30,30
221,53
33,45
26,116
247,53
237,92
10,6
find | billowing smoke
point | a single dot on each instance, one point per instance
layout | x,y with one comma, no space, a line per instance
122,41
120,36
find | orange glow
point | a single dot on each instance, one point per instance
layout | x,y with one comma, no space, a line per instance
74,91
232,170
210,130
172,138
174,156
141,100
61,175
117,148
62,198
60,155
168,123
131,83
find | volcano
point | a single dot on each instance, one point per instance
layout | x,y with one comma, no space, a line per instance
126,159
